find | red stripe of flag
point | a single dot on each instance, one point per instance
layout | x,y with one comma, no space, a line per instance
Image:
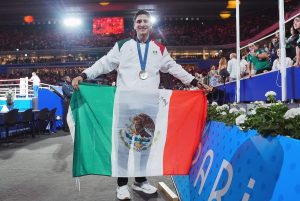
187,117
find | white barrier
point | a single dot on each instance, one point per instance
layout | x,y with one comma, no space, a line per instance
21,87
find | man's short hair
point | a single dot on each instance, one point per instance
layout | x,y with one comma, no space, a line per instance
233,55
66,77
141,12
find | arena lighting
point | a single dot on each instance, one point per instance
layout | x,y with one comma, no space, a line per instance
104,3
232,4
72,22
153,19
28,19
225,14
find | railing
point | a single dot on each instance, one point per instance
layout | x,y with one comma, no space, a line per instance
20,87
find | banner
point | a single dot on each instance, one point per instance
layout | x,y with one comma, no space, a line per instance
234,165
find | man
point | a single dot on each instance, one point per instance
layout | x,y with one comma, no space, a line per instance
138,62
35,83
231,67
67,92
259,59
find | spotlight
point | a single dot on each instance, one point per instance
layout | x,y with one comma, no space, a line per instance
104,3
153,19
232,4
72,22
28,19
225,14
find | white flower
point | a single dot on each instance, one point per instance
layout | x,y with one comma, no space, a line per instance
234,104
292,113
225,107
214,104
264,105
259,102
222,108
223,113
242,110
270,93
240,119
219,108
233,110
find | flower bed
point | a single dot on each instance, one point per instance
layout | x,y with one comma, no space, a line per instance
271,118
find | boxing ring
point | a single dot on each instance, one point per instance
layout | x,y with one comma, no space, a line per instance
22,93
49,97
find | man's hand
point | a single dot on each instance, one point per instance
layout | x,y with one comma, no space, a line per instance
204,87
76,81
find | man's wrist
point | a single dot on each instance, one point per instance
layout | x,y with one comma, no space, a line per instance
83,75
194,82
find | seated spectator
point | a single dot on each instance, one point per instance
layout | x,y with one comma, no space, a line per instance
277,63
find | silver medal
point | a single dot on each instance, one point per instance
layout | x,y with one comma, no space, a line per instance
143,75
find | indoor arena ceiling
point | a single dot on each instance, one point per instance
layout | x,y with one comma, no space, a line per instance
15,10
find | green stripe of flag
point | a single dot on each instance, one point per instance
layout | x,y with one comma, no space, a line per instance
92,110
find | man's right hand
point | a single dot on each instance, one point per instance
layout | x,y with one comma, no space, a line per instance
76,81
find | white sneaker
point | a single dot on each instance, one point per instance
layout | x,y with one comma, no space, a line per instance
144,187
123,193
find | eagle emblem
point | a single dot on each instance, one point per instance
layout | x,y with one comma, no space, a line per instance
138,133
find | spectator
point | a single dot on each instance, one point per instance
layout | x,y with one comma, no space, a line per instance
67,93
232,67
297,28
291,43
223,70
243,64
213,76
273,47
259,59
277,63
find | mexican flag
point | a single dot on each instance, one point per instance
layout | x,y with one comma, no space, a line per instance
126,133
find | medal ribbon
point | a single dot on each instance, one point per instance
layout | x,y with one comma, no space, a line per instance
143,61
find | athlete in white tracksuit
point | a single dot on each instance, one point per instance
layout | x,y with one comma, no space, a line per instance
138,62
124,58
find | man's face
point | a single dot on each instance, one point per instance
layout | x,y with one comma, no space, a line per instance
252,47
142,25
297,23
68,79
